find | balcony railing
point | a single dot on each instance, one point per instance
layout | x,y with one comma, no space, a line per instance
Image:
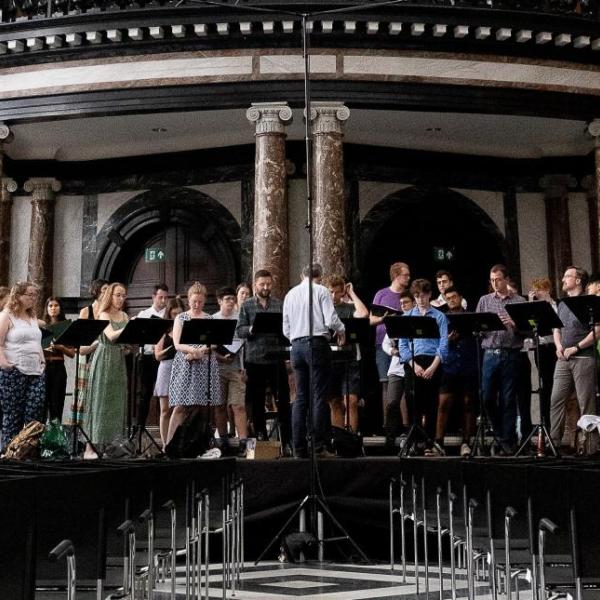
18,10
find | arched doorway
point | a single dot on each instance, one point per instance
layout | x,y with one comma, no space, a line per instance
199,237
414,225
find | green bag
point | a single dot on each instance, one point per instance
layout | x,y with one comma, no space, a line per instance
55,441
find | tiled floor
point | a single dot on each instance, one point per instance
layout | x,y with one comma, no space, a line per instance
313,581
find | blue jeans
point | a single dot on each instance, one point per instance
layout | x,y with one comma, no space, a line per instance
301,360
499,383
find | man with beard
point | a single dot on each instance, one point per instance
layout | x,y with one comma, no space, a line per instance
262,371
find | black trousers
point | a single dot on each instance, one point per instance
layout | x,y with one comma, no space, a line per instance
147,370
259,377
426,393
56,387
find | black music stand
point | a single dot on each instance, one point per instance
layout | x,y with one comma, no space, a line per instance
139,332
540,319
209,332
82,332
477,324
358,331
587,310
413,328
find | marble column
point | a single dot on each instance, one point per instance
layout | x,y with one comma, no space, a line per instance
41,246
7,188
558,230
588,183
329,202
594,198
271,236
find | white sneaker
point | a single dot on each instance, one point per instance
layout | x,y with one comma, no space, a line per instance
212,453
465,450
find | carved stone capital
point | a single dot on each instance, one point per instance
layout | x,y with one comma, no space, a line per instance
557,186
269,117
6,135
588,183
7,186
42,188
594,129
328,117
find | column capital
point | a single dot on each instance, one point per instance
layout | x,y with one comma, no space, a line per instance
42,188
557,185
328,117
6,135
594,129
7,185
269,117
588,183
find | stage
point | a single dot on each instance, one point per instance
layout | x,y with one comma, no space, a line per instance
85,501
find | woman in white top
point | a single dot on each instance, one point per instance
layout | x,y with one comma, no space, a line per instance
22,384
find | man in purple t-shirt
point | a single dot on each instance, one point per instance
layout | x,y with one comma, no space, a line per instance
388,296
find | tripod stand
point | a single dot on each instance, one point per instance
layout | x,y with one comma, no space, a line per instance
81,332
540,319
477,324
140,332
412,328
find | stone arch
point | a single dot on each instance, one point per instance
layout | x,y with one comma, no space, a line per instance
406,225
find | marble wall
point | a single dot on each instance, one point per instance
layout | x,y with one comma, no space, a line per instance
20,233
533,242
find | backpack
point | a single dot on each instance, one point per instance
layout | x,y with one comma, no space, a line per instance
191,438
26,443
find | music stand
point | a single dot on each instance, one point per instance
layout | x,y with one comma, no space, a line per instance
540,319
587,310
477,324
268,323
82,332
209,332
358,331
412,328
139,332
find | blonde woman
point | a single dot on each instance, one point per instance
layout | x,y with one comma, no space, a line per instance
22,382
188,388
107,383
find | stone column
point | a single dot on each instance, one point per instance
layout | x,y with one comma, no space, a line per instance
329,203
588,183
558,231
41,246
271,238
594,197
7,188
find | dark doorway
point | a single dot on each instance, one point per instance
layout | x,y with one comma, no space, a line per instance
199,238
418,225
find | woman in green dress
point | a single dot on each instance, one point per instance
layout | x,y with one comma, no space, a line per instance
107,383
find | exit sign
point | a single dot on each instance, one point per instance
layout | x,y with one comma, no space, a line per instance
443,254
154,255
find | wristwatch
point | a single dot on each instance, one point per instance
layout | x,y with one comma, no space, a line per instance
578,347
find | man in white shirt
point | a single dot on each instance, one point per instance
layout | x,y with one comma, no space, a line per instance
307,350
148,365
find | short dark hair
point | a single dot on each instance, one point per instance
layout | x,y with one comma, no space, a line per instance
225,291
594,278
582,275
315,271
262,273
160,286
421,286
452,290
407,294
500,268
442,273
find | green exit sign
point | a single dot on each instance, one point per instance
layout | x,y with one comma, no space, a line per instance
155,255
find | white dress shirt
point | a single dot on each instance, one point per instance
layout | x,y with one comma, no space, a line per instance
295,312
148,313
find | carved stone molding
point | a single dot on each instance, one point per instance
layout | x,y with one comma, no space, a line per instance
42,188
8,186
269,117
594,129
328,117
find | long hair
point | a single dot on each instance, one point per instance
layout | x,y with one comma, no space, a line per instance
106,301
61,314
174,304
96,287
14,298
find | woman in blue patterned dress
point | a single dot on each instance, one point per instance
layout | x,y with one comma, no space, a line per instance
188,388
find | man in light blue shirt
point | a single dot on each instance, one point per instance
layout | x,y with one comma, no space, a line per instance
307,350
424,369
